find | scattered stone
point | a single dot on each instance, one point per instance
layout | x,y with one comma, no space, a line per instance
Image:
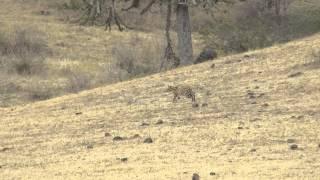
300,117
145,124
185,172
255,119
78,113
45,12
212,173
254,102
107,134
293,147
90,146
251,95
148,140
253,150
257,87
136,136
291,140
206,55
125,159
4,149
195,105
204,104
295,74
246,56
213,66
318,145
265,105
259,72
118,138
159,122
208,93
195,176
240,127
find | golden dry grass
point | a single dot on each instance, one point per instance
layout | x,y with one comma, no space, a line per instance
236,136
78,49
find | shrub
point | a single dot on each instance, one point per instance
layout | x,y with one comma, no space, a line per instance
139,57
77,81
23,51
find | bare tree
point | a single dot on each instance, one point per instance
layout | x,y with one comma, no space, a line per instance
107,8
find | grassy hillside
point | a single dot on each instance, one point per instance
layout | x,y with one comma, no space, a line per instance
258,105
81,57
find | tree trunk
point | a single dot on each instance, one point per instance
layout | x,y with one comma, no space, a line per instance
185,50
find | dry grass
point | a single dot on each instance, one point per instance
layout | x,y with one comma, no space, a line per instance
83,52
254,107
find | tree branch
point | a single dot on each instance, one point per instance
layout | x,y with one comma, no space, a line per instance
144,10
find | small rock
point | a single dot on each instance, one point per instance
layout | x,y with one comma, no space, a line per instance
205,55
204,104
259,72
240,127
44,12
144,124
78,113
213,66
295,74
253,150
195,105
90,146
208,93
257,87
125,159
291,140
136,136
318,145
148,140
195,176
300,117
212,173
159,122
4,149
255,119
265,105
254,102
118,138
293,147
107,134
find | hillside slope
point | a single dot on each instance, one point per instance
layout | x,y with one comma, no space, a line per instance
256,102
81,56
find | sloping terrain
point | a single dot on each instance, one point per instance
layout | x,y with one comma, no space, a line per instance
81,51
258,105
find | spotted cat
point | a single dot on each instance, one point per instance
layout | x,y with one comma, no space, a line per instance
182,91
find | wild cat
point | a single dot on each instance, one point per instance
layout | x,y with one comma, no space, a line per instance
182,90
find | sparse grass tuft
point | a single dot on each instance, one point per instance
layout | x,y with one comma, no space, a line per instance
138,57
23,51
